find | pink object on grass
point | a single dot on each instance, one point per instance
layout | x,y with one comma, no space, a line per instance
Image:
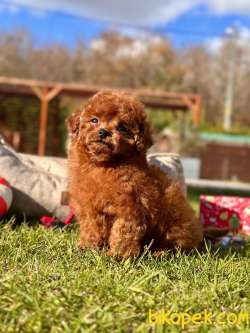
225,212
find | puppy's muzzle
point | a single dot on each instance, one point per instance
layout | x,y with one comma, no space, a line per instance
103,133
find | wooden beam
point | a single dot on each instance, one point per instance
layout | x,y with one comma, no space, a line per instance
90,89
43,123
37,91
197,111
194,105
53,92
150,97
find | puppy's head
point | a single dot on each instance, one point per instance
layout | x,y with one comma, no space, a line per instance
112,125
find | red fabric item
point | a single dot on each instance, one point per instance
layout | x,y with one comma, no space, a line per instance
3,207
225,212
69,218
49,222
4,182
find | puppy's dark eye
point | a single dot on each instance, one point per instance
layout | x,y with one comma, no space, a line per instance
122,129
94,120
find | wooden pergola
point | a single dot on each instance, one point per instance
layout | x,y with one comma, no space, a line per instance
46,91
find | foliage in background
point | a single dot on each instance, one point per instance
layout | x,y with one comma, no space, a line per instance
161,119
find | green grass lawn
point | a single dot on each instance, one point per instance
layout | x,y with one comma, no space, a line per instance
48,285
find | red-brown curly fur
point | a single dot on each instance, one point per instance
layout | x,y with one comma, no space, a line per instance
120,201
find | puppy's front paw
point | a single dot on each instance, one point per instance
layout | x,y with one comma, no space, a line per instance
124,253
90,243
80,244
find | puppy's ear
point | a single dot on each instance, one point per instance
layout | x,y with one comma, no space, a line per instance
73,123
143,138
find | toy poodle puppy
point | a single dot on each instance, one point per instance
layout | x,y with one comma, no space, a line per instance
120,201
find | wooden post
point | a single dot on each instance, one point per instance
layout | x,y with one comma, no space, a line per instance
195,107
197,111
184,125
45,97
43,124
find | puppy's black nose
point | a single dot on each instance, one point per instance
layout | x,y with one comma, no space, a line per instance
104,133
